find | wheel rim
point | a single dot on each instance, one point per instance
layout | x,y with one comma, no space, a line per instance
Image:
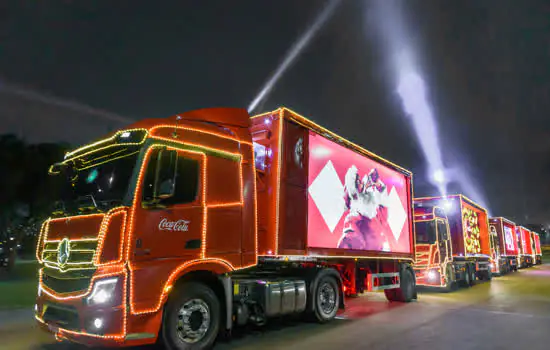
193,321
327,298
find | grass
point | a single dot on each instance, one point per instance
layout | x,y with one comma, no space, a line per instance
545,254
18,287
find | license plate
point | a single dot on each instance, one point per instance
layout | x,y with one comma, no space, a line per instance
53,329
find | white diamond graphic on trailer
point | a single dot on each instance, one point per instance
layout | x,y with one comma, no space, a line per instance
327,193
396,213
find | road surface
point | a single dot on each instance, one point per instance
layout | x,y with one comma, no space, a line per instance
511,312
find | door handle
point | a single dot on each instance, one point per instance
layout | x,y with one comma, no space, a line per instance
142,252
193,244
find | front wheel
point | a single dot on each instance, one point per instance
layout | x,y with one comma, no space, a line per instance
191,318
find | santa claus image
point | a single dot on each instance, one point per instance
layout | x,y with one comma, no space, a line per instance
365,226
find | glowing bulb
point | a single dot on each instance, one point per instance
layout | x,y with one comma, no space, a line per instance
98,323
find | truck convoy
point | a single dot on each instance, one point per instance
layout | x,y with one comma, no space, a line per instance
177,229
506,245
452,244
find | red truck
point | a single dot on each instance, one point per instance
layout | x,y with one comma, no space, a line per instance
505,252
177,229
525,256
452,242
537,251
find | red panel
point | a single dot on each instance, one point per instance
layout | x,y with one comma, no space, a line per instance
511,243
528,243
370,211
476,230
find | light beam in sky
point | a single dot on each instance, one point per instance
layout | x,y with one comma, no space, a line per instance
294,52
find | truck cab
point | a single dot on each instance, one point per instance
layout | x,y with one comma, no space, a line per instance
433,247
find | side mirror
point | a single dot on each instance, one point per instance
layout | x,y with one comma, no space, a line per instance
165,175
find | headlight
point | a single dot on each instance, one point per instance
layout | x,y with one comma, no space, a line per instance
1,250
491,266
103,291
432,274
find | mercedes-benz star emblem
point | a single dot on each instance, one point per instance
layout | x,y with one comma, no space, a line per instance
63,252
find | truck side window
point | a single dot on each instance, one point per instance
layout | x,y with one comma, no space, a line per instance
187,180
442,230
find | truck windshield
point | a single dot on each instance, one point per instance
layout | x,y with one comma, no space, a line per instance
96,182
425,232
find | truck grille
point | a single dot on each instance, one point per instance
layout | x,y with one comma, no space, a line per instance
65,285
80,254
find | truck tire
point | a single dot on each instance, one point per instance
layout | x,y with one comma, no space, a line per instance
326,299
405,293
449,283
191,318
467,281
472,271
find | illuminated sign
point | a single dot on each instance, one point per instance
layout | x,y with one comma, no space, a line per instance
354,202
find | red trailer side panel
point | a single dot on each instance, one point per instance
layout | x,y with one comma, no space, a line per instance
511,244
354,202
528,243
476,230
302,210
538,249
522,233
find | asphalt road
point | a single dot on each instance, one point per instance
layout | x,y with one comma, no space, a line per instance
511,312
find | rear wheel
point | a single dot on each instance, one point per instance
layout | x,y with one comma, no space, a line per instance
472,275
191,318
326,299
467,277
405,293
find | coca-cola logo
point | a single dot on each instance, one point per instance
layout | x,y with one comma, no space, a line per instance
179,225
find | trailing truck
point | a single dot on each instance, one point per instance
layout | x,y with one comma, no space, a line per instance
505,253
452,242
176,230
525,251
537,249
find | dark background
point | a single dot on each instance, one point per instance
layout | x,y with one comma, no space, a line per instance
485,62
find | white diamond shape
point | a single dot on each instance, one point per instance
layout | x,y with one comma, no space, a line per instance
396,214
327,193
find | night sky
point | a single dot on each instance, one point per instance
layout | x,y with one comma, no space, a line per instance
486,65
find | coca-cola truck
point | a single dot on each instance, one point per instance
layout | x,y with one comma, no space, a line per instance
525,251
177,229
452,242
505,252
537,248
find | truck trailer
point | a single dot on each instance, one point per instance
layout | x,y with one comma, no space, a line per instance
525,256
452,242
537,250
505,243
176,230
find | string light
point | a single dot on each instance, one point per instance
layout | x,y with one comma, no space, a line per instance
278,185
112,138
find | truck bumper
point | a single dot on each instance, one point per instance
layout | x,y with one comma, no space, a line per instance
429,278
74,321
